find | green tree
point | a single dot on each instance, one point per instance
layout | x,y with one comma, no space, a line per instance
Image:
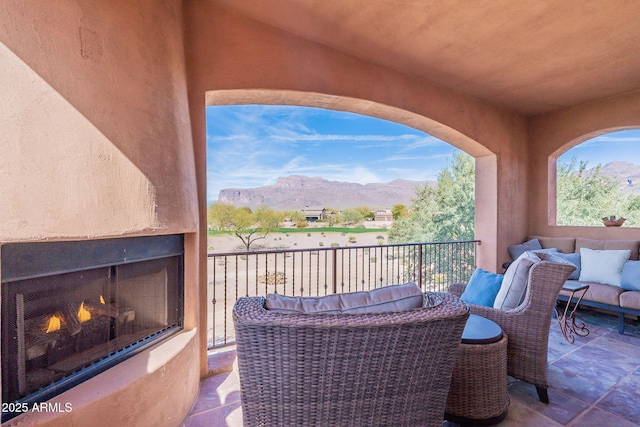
366,212
444,212
418,226
351,217
248,226
399,210
295,216
333,216
585,196
455,198
220,216
632,211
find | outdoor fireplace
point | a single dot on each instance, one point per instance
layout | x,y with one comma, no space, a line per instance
71,310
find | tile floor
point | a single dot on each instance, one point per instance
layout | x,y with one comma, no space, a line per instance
594,382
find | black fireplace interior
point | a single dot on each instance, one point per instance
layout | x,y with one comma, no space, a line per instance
71,310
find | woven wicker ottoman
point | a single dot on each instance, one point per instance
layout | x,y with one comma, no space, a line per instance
478,393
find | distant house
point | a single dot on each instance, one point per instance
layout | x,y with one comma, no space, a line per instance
313,215
384,215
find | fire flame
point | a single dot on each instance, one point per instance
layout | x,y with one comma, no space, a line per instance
83,313
102,300
54,324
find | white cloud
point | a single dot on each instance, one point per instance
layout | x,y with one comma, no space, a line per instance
251,147
342,137
427,141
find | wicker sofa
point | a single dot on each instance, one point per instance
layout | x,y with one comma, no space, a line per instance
379,369
600,295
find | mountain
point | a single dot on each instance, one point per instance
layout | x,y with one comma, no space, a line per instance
628,174
298,192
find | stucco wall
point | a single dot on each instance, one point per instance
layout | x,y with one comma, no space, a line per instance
553,134
96,142
93,120
227,51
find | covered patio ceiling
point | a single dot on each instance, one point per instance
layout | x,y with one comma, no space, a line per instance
529,57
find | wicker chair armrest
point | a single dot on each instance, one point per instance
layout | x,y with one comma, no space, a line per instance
457,289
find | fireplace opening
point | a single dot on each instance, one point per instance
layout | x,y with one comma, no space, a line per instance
71,310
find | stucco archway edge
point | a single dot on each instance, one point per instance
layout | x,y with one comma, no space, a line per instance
348,104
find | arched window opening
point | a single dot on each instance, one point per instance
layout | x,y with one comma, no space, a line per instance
600,179
256,153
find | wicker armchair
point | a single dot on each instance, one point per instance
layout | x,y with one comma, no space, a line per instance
527,326
388,369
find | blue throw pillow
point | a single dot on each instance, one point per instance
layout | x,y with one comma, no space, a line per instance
630,279
516,250
573,259
482,288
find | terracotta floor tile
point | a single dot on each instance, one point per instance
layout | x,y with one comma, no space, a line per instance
593,382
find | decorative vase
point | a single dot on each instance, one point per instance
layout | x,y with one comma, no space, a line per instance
612,221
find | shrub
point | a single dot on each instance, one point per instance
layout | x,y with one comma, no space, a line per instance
352,239
302,224
272,278
320,244
335,245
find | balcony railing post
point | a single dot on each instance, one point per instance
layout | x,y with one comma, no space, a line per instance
420,266
334,270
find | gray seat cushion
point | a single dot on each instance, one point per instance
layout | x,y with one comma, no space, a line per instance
382,300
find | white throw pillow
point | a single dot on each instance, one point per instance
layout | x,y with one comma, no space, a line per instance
603,266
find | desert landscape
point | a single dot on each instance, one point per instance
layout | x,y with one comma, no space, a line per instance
297,240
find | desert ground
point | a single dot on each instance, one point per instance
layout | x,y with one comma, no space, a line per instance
231,277
297,240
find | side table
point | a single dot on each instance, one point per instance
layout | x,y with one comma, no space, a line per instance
478,394
567,318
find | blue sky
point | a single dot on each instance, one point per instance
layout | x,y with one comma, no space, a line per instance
252,145
621,146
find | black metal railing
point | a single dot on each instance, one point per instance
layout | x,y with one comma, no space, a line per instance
322,271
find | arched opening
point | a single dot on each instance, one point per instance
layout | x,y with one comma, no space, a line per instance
596,178
488,184
486,170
